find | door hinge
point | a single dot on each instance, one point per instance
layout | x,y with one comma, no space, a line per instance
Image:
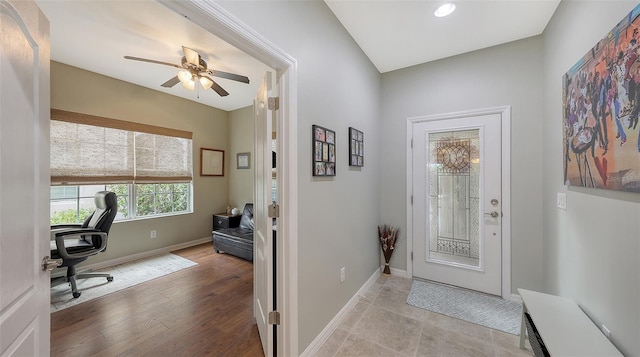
411,199
274,211
274,318
274,103
412,143
411,256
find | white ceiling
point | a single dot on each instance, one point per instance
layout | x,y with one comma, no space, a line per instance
399,34
96,35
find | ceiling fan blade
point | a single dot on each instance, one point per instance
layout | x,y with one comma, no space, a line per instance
216,87
172,82
152,61
192,56
231,76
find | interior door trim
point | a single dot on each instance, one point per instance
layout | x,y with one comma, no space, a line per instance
215,19
505,115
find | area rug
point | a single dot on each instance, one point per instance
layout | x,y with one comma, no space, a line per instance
468,305
124,276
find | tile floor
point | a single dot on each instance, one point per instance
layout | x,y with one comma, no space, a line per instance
383,324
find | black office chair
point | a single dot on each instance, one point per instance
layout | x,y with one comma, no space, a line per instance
74,243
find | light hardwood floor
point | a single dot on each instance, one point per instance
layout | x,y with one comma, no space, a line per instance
205,310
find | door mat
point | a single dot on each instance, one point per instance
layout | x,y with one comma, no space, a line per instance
124,276
472,306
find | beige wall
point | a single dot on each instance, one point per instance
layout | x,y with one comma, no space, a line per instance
77,90
240,140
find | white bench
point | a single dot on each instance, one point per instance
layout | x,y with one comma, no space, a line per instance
564,328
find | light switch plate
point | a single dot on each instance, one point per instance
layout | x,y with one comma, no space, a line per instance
562,201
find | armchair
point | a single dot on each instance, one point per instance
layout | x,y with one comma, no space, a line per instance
74,243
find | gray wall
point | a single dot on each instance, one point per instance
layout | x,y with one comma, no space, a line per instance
338,87
591,250
77,90
503,75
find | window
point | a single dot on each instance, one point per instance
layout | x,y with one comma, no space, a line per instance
149,168
72,204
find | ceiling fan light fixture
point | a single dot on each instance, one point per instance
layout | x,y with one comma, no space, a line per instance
444,10
206,82
186,78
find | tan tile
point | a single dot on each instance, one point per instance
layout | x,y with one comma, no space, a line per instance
383,278
372,293
396,301
439,341
512,352
331,346
460,326
353,316
355,346
505,340
396,332
402,284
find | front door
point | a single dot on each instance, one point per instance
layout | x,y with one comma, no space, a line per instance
457,193
24,179
263,268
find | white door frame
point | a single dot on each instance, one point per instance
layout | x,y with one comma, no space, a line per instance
215,19
505,114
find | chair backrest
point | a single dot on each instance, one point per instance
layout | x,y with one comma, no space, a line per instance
246,221
101,219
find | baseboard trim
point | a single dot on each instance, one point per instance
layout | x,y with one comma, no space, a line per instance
322,337
147,254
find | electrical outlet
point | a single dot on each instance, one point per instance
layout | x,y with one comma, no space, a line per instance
343,275
606,332
562,200
153,235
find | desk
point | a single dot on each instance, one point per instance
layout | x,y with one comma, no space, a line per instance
565,329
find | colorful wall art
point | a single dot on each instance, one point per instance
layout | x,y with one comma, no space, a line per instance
601,106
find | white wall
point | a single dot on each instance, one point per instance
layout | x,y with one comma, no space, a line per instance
338,87
509,74
591,250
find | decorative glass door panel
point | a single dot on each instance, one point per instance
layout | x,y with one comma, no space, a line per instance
456,213
453,179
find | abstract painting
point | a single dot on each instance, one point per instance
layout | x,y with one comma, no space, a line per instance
601,106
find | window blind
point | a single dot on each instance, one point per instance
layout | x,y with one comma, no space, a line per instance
87,149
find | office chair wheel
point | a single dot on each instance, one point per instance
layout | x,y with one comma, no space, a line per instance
76,295
110,279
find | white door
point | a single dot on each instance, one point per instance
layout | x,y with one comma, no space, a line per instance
263,269
24,179
457,216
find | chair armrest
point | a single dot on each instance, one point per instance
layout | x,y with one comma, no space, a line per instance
60,236
59,226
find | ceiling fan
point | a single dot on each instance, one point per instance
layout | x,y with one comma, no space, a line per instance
193,69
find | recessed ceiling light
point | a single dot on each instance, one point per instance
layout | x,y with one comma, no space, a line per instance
445,10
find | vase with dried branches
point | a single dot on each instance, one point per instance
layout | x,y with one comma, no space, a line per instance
388,237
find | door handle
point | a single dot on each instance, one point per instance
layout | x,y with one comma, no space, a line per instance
49,264
493,214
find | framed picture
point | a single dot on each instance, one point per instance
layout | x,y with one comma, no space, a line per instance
356,147
243,160
324,151
211,162
600,110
